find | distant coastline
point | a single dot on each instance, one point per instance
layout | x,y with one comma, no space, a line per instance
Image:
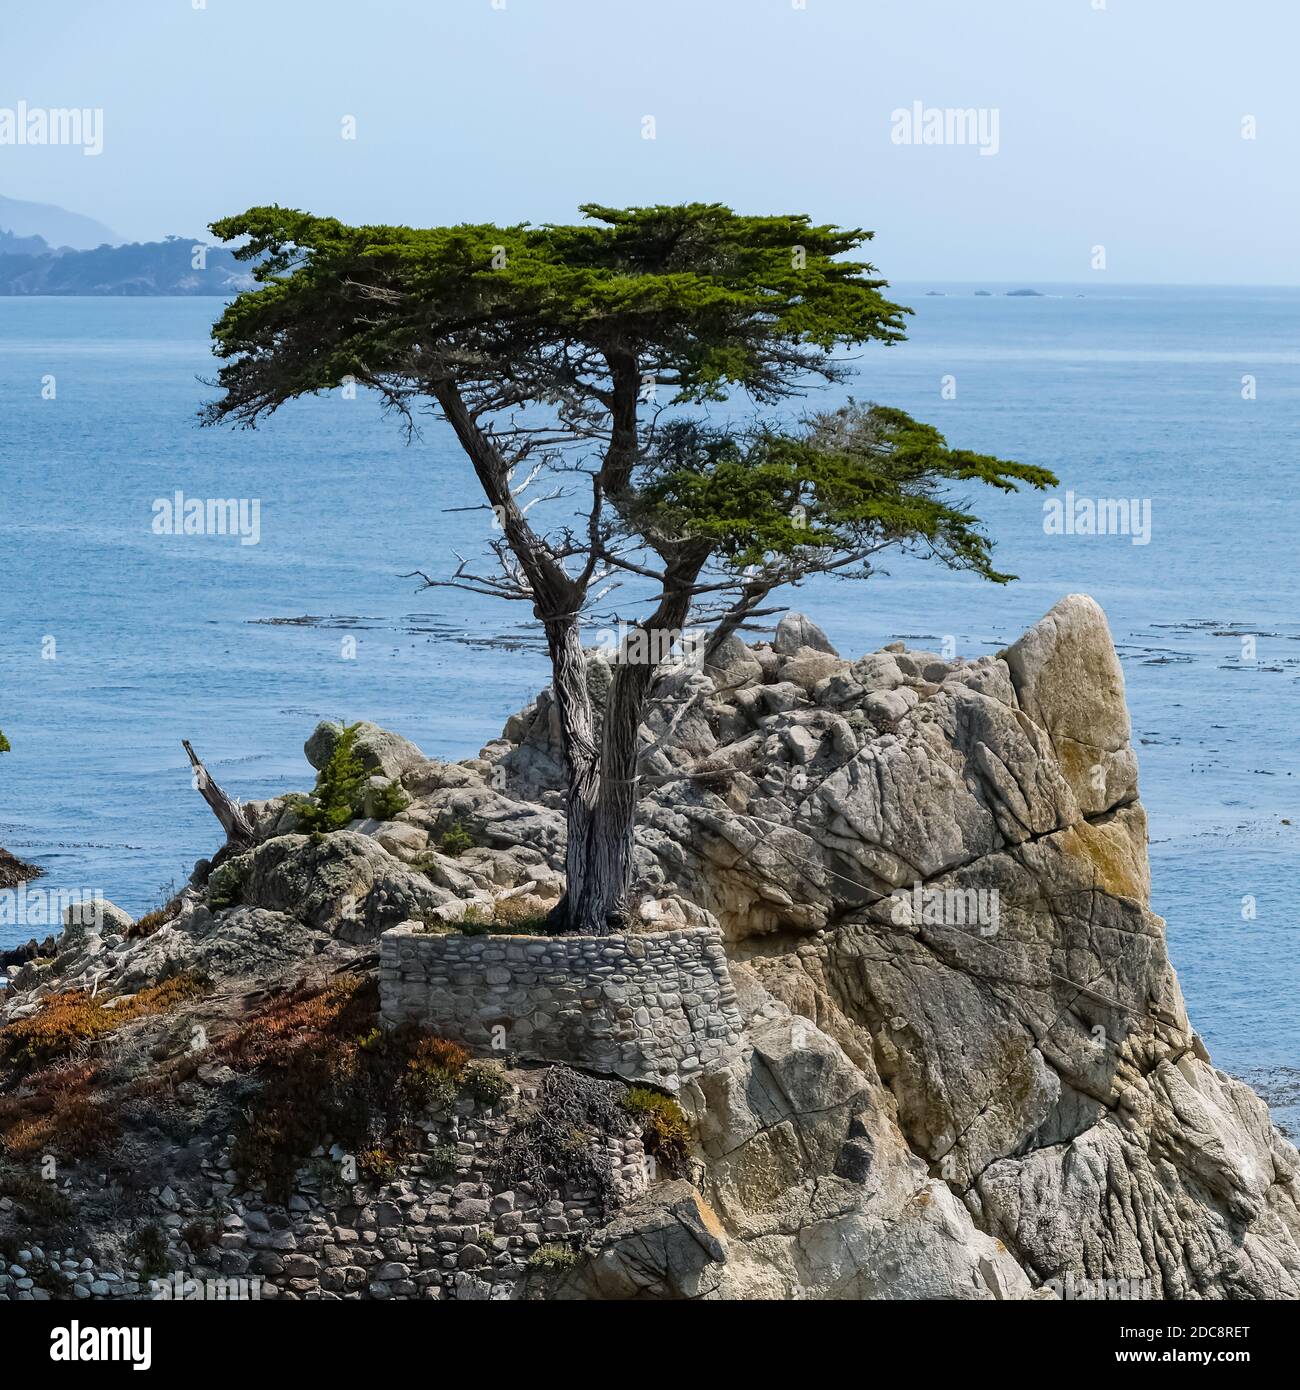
29,266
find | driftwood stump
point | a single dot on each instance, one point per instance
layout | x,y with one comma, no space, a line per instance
234,819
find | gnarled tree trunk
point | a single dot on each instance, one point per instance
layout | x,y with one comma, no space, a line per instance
578,738
603,795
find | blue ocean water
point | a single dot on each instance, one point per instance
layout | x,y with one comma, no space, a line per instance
116,643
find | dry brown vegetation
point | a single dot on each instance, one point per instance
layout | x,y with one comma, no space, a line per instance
52,1093
329,1073
66,1022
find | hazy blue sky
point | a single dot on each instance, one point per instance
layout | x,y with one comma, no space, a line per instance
1118,126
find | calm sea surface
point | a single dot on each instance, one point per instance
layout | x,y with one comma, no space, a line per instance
1129,392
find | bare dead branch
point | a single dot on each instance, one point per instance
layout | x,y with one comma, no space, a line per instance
234,819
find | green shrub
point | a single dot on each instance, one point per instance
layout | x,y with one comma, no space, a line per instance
456,841
552,1258
338,789
226,883
665,1130
485,1082
442,1160
149,1245
388,801
341,793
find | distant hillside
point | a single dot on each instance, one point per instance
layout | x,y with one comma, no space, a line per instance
141,268
13,245
56,225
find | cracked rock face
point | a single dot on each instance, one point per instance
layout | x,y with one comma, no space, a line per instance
940,871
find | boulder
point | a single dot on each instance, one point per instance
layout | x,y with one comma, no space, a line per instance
889,706
795,631
245,942
1068,680
733,666
343,883
401,839
385,754
668,1245
879,671
319,748
807,667
92,916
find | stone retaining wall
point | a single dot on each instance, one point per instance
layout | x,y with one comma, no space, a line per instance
443,1226
655,1006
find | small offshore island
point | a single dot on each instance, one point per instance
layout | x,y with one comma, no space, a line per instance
14,871
891,1018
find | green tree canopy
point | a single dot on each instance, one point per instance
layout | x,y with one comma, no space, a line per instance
559,350
696,298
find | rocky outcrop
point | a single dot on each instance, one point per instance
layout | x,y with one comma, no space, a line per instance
1037,1061
13,871
963,1068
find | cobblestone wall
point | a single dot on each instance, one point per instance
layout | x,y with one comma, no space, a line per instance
654,1007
